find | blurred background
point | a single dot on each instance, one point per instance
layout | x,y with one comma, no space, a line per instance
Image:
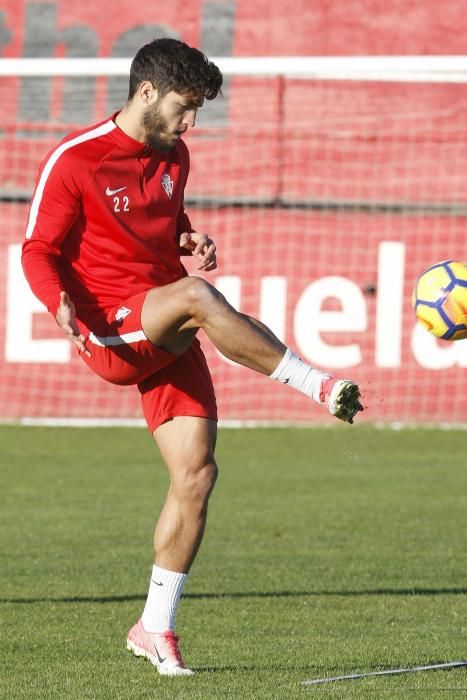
328,185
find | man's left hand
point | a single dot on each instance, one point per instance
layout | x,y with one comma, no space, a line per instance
202,247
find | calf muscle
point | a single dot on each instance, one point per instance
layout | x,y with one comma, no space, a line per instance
172,315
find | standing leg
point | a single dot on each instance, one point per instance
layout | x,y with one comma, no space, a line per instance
187,446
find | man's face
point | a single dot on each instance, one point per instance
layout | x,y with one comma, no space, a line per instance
166,119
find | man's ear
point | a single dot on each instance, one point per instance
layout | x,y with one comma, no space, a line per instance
147,92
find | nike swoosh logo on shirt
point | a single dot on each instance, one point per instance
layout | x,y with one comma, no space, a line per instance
110,192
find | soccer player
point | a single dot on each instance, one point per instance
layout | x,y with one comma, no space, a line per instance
106,230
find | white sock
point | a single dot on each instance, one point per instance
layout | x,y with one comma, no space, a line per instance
293,371
164,593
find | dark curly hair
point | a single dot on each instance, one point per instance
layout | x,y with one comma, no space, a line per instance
170,64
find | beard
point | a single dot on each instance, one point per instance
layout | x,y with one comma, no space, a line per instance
157,129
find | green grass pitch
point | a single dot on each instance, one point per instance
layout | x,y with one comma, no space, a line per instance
328,551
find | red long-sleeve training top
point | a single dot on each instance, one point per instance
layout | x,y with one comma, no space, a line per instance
105,220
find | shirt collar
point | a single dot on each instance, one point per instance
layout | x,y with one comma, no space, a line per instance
127,142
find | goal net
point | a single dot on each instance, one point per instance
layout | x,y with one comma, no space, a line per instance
328,185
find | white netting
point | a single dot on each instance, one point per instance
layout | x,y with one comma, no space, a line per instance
328,184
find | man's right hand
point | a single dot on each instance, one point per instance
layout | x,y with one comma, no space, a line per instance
66,319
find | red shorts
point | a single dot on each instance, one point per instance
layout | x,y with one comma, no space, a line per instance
170,385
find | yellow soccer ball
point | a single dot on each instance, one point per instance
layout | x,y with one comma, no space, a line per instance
440,299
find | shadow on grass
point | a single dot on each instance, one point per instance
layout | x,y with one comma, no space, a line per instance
245,594
273,668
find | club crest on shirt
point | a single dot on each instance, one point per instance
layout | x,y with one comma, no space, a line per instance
167,184
122,313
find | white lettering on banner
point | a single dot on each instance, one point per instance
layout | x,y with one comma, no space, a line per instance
273,302
21,305
310,321
389,304
433,354
230,287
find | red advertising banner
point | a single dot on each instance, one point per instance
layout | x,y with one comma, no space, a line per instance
336,287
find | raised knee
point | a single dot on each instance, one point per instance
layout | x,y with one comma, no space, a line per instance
200,296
